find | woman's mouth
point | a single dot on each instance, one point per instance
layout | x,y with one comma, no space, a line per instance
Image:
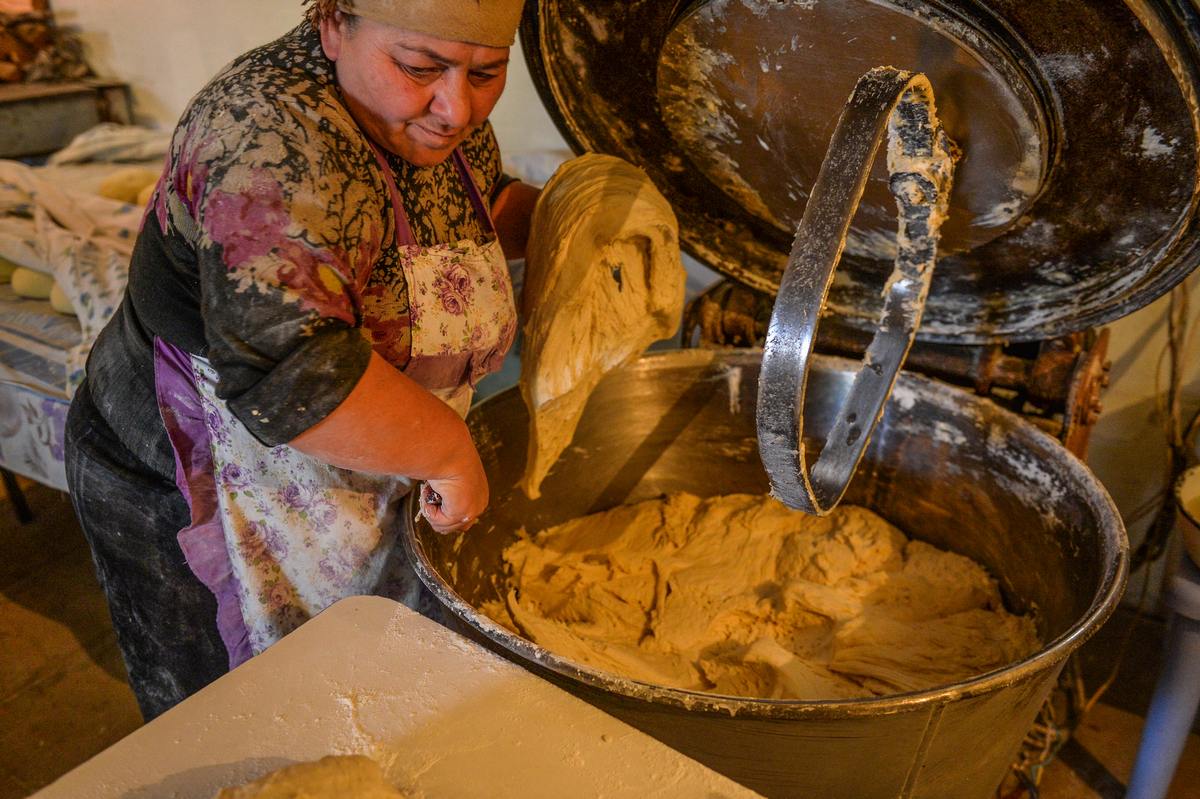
441,138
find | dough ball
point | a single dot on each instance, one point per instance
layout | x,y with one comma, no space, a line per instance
126,184
331,777
7,268
60,302
31,284
147,194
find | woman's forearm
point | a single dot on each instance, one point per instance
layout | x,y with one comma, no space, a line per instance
391,425
388,425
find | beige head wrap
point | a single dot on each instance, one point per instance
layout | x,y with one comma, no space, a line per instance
488,22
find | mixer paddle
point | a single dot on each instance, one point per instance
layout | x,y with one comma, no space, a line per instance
920,163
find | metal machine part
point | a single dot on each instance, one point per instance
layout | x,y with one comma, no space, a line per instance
1055,384
1077,199
920,162
945,466
757,130
1078,203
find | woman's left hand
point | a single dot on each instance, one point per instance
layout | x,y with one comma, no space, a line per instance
391,425
511,214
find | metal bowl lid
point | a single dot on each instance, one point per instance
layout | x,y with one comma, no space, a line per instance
1075,201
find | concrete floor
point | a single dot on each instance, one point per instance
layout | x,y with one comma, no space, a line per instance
63,696
1101,765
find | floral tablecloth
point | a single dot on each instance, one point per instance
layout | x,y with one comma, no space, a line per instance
31,434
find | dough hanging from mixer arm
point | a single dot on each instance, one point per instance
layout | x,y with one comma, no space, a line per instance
604,280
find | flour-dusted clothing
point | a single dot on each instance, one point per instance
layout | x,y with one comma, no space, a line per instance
277,535
269,259
270,249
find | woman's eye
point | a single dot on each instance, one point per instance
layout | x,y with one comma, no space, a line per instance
421,73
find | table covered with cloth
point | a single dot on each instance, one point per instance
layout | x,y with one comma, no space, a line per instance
53,221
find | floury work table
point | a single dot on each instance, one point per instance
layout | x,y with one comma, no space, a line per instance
444,718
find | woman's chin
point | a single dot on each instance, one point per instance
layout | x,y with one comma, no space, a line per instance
425,154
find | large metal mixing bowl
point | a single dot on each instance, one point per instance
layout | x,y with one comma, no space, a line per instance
943,465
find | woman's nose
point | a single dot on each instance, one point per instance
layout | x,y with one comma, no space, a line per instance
452,101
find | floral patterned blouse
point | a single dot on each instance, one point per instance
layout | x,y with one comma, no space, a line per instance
269,249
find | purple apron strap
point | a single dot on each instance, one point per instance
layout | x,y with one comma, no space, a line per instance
202,542
468,179
404,235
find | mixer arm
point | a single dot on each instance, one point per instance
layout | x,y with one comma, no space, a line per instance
920,163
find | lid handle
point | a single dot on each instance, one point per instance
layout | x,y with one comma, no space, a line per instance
920,163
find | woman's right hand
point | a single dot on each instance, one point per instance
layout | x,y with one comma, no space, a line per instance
455,503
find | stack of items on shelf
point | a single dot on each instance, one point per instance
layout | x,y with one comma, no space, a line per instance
34,48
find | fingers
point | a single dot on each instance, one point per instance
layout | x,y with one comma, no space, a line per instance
462,498
454,503
454,510
452,506
444,524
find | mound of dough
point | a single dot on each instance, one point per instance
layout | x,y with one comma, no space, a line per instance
332,777
740,596
7,268
126,184
60,302
147,194
604,281
32,284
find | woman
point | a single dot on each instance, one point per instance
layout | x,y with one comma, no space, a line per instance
317,286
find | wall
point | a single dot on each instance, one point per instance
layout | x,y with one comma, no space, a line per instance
1128,449
168,49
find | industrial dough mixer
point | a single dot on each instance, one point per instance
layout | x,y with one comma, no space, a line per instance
1074,203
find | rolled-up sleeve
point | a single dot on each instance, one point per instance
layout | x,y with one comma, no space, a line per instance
290,221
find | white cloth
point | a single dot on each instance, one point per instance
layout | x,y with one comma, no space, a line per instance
110,142
83,241
300,534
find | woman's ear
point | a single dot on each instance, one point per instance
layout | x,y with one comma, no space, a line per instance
332,35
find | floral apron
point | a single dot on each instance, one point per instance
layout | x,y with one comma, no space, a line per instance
278,536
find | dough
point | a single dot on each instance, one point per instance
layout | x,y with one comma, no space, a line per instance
7,268
147,194
60,302
126,184
604,280
32,284
738,595
332,777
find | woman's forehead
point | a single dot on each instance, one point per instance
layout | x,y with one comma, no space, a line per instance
443,51
484,22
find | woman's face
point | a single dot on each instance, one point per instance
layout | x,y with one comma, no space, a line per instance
416,95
